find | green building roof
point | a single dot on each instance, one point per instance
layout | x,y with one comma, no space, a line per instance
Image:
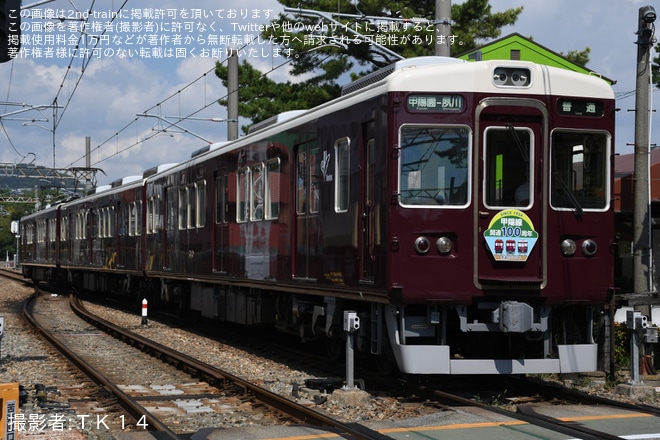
517,47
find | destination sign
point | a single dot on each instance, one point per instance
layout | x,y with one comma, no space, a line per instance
576,107
436,103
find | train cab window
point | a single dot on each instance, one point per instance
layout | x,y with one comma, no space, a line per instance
433,167
580,170
508,166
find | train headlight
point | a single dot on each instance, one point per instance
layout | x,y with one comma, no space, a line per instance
512,77
422,245
443,244
589,247
568,247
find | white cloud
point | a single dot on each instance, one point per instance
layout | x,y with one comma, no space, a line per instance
111,91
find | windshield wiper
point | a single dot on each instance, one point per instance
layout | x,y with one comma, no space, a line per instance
571,197
519,144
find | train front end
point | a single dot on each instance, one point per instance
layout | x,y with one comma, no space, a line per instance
501,224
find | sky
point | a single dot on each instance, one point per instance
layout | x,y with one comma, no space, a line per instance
154,65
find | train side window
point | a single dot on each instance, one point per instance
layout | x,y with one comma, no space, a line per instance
170,206
580,170
183,208
192,205
52,232
301,188
221,202
307,172
257,193
434,165
508,163
273,189
155,215
64,222
342,174
314,168
112,221
101,221
134,218
138,217
242,195
201,204
95,220
131,219
150,216
40,233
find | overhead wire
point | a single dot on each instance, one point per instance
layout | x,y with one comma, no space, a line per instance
83,65
171,124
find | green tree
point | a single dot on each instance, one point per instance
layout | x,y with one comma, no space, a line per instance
10,212
580,57
322,55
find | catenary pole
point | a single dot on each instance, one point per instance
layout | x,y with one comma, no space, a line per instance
642,274
442,27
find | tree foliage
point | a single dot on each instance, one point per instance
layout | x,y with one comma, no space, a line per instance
580,57
323,52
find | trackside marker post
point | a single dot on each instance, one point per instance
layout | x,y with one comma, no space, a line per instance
144,311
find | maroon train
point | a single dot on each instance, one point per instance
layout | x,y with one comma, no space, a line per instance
462,210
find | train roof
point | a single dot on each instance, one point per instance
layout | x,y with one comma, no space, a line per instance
422,74
469,77
383,73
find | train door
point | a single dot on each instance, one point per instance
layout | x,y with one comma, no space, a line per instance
221,222
367,169
306,210
510,206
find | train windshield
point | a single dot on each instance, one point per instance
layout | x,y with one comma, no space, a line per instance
508,162
434,165
580,176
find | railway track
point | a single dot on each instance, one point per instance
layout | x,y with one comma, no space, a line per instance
532,413
215,384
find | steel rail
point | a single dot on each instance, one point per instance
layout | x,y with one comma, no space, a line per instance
215,376
137,411
571,429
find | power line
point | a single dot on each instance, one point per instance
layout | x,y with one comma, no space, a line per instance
168,124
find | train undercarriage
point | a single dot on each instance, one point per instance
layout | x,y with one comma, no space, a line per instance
498,337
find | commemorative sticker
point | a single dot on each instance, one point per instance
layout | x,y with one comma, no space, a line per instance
511,236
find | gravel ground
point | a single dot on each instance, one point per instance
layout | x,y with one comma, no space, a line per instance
24,358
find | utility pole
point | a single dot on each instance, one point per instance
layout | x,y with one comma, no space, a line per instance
442,27
642,269
88,162
232,97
